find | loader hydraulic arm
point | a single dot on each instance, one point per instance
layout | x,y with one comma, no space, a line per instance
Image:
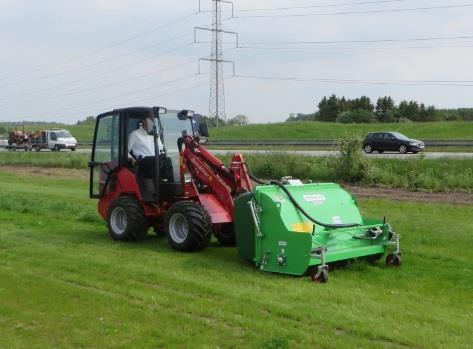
235,177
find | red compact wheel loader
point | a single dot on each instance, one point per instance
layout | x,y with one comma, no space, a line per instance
191,195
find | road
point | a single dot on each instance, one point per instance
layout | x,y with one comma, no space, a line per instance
331,153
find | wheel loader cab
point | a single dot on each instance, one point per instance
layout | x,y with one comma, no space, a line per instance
111,151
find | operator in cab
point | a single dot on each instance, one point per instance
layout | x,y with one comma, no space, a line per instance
141,148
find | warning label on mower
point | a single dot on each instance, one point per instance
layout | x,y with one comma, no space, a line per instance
316,199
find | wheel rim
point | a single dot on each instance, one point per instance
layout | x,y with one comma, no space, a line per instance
368,149
402,149
178,228
118,220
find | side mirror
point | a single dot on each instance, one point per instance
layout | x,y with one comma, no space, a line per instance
185,114
204,129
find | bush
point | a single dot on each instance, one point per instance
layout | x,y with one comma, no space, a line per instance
356,116
352,166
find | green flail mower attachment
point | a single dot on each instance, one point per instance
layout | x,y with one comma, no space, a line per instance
297,229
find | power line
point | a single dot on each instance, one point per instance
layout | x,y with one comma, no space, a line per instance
358,3
113,97
354,48
93,52
449,83
433,38
106,85
107,60
97,75
91,111
426,8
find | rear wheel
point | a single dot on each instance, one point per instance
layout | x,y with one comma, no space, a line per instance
226,236
368,149
188,226
126,220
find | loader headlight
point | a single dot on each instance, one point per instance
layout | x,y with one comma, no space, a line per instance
187,177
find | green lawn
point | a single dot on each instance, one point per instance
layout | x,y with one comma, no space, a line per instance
324,130
65,284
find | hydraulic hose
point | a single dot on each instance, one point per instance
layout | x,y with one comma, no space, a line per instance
296,204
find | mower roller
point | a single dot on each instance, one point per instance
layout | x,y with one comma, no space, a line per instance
284,226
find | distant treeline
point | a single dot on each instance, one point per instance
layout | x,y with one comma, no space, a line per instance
363,110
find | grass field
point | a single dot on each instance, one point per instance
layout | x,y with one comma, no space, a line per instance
65,284
440,175
308,130
323,130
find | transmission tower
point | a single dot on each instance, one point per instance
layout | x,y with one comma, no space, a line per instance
217,84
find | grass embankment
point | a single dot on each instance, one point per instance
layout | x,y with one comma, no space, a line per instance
305,130
324,130
65,283
415,174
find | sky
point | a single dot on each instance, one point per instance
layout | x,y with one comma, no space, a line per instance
65,60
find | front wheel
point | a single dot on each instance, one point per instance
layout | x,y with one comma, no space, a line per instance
126,219
226,236
188,226
56,148
403,149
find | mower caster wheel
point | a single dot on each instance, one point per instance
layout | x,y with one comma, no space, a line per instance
320,276
393,260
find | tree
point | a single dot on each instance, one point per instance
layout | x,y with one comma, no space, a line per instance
384,109
239,120
408,110
328,109
356,116
362,103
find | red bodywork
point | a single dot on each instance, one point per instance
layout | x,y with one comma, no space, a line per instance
205,180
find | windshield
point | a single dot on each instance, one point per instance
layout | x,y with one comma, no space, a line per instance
400,136
172,129
63,134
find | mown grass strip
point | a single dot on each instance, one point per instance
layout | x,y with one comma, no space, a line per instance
65,283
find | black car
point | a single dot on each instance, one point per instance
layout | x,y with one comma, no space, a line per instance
391,141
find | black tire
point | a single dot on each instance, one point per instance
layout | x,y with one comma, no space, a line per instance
73,149
126,220
403,149
381,151
321,278
226,236
188,226
368,148
393,260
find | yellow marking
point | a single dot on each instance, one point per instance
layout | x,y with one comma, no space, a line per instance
303,227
